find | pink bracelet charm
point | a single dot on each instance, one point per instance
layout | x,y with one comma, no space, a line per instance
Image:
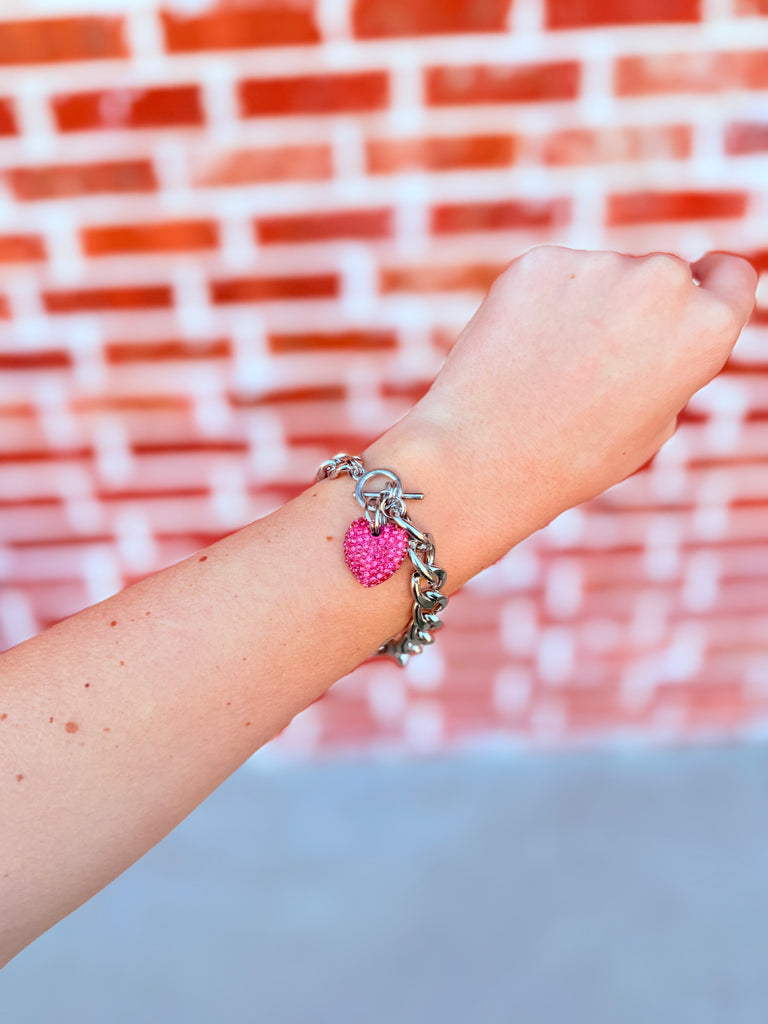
373,559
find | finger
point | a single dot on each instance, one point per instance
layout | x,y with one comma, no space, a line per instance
731,279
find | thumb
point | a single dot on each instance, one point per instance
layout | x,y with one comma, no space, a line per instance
729,278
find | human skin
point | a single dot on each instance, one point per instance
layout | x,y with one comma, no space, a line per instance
117,722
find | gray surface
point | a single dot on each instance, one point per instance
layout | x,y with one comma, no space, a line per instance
612,887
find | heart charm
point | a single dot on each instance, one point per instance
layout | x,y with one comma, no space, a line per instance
374,559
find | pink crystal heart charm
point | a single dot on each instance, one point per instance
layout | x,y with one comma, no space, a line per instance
374,559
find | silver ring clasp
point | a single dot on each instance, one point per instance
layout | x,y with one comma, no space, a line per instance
362,496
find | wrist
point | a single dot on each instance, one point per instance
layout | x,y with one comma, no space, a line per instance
470,508
423,455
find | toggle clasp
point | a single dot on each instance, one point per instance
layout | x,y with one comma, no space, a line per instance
396,490
378,503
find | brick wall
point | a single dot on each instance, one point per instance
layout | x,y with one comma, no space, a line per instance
238,237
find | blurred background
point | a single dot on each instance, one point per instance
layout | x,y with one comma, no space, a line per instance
238,237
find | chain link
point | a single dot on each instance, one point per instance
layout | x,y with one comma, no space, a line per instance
427,579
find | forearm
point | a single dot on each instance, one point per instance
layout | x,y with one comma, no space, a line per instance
117,722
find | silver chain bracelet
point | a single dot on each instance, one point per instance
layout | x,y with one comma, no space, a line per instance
375,546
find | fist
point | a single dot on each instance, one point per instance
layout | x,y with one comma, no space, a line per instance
573,371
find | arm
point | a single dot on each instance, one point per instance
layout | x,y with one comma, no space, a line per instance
117,722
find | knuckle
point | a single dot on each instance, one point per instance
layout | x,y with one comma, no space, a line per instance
544,255
544,251
668,269
529,263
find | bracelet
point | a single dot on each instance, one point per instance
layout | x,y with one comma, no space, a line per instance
375,546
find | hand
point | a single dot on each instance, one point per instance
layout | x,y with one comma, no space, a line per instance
572,373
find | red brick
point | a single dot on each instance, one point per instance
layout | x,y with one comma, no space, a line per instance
384,18
591,707
36,502
692,72
166,236
322,227
759,260
7,118
252,23
88,300
315,94
144,405
340,440
283,163
59,181
155,447
746,137
22,411
48,40
587,145
443,339
21,248
271,289
410,391
347,341
467,277
587,13
502,83
48,359
713,697
499,216
282,396
158,351
160,107
387,156
638,207
47,454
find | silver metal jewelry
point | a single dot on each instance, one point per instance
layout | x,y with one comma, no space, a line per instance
427,580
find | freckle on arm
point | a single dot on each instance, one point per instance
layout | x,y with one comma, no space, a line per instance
71,727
